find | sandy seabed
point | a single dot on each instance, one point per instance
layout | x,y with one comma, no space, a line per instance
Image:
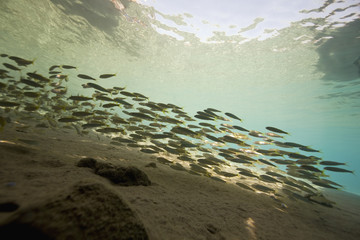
43,193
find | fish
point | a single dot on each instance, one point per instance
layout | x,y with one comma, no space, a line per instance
81,114
140,115
9,104
79,98
31,94
20,61
163,160
215,139
331,163
31,83
109,130
107,75
267,178
274,129
308,149
104,98
69,119
83,76
266,162
67,67
110,105
119,100
270,134
244,186
12,67
53,67
95,86
233,116
241,128
311,168
184,131
336,169
203,117
92,124
39,77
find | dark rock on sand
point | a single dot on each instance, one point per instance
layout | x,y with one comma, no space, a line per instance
124,176
8,206
152,164
88,211
87,162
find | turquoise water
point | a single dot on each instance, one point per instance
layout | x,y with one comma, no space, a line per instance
279,64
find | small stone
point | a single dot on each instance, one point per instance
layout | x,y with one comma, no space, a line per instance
152,164
212,229
87,162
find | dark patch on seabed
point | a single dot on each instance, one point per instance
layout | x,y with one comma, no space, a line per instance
75,214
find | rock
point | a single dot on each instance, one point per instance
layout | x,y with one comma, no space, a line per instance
124,176
87,162
8,206
211,228
152,164
88,211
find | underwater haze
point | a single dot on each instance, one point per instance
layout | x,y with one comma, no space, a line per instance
292,65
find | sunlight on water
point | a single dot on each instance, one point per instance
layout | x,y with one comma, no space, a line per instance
287,65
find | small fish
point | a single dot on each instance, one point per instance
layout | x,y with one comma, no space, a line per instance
31,94
233,116
9,104
203,117
110,105
273,129
109,130
266,162
79,98
140,115
92,125
331,163
297,156
83,76
54,72
31,83
103,98
215,139
107,75
123,140
21,61
82,114
69,119
95,86
274,135
245,186
262,188
267,178
240,128
336,169
292,144
53,67
148,150
310,168
128,94
119,100
38,77
308,149
12,67
67,67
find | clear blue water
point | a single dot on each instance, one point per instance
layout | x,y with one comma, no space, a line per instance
289,65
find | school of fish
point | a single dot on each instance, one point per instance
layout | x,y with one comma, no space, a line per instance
210,143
